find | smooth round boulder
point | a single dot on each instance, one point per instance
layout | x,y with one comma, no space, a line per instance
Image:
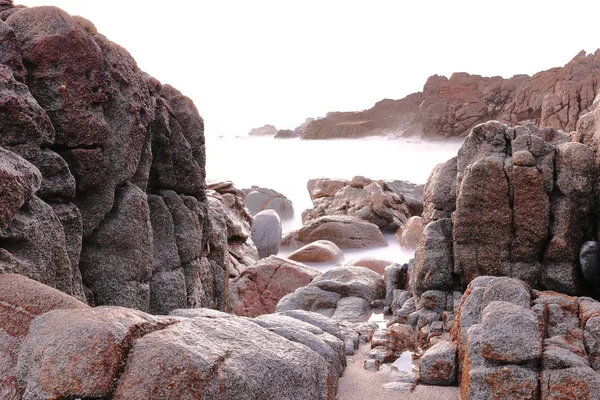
321,251
266,233
352,281
374,264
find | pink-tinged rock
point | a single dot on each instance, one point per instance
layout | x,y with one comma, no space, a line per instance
79,353
260,287
320,251
22,300
346,232
19,180
371,263
410,234
215,358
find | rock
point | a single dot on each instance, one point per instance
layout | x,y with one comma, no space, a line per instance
87,364
266,130
266,233
506,289
21,301
258,199
371,201
394,278
34,245
570,383
439,364
260,287
19,180
324,344
372,365
511,333
410,234
374,264
323,187
382,354
439,197
510,381
308,298
352,281
117,260
345,232
397,337
318,252
317,320
590,264
434,258
172,363
351,309
286,134
412,194
591,336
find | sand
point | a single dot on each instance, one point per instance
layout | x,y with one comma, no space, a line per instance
360,384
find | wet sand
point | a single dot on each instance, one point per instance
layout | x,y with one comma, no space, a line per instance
360,384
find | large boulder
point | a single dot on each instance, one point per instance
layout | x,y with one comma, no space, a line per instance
319,252
410,234
346,232
352,281
260,287
21,301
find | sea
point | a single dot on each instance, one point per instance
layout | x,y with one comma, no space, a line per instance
286,165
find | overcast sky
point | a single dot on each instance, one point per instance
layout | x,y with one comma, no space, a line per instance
248,63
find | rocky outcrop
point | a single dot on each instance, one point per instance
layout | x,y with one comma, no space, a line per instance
522,205
266,233
373,201
102,173
510,338
451,107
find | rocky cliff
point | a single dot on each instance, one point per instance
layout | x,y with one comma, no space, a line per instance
451,107
102,189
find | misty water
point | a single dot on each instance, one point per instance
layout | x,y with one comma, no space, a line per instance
286,165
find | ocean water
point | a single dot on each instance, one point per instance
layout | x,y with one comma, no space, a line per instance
287,165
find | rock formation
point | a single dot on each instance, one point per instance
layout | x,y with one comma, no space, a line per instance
102,172
515,202
451,107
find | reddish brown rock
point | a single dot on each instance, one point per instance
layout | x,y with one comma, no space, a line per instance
319,252
22,300
260,287
88,363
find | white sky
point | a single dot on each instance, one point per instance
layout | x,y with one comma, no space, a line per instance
250,62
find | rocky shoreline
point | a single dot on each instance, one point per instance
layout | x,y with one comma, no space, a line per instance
123,275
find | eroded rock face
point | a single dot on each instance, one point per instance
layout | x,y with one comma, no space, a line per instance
521,201
451,107
102,138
